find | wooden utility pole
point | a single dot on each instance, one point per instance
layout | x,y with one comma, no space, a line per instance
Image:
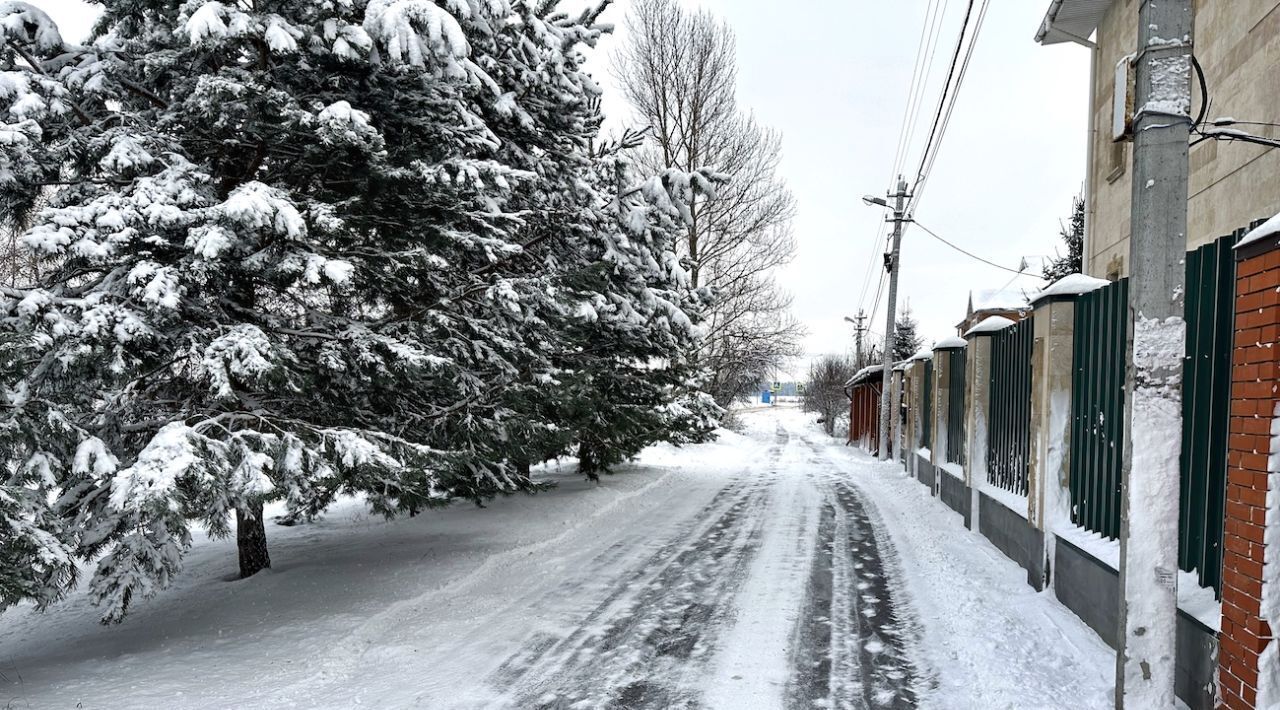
1157,346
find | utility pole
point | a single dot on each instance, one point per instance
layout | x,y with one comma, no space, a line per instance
858,328
891,264
1157,347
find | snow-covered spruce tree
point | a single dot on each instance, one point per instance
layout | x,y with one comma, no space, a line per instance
293,252
1061,265
603,242
906,338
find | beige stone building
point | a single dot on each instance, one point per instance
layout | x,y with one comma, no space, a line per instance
1233,183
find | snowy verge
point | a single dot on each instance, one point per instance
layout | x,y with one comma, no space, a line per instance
994,641
358,610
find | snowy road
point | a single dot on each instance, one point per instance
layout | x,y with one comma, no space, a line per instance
772,569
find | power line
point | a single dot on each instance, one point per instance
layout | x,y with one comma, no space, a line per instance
919,84
967,253
930,33
946,90
946,121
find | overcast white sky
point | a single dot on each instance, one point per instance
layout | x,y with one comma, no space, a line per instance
832,75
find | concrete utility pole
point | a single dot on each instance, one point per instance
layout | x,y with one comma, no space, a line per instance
891,263
859,328
1157,347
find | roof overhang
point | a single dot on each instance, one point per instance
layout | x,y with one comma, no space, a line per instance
1072,21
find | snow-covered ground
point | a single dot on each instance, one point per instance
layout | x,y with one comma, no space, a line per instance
773,568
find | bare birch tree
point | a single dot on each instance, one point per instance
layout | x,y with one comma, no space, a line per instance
678,70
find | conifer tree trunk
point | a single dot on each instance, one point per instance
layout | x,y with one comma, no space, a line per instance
587,463
251,539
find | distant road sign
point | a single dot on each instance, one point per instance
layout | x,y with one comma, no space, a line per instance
777,387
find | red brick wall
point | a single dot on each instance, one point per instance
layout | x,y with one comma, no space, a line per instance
1255,373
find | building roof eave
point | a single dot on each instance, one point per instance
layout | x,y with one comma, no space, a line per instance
1072,21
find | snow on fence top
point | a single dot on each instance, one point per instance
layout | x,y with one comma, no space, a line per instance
990,325
1270,228
924,354
950,343
1073,285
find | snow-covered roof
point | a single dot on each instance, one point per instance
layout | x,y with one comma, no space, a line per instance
990,325
862,374
1270,228
1072,21
997,300
1072,285
950,343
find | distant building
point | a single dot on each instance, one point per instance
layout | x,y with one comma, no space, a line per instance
1232,183
1009,303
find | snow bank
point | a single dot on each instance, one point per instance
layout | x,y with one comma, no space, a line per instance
989,636
950,343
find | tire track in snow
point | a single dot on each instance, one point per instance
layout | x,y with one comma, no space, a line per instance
647,643
629,650
857,634
342,664
810,684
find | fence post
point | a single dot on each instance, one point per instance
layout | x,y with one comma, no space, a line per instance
909,425
941,401
978,386
1249,653
1052,357
895,413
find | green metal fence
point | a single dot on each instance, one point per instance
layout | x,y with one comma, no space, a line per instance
956,406
1009,419
1206,403
926,411
1097,427
1097,408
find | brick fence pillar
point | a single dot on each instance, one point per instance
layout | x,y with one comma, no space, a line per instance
1251,572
